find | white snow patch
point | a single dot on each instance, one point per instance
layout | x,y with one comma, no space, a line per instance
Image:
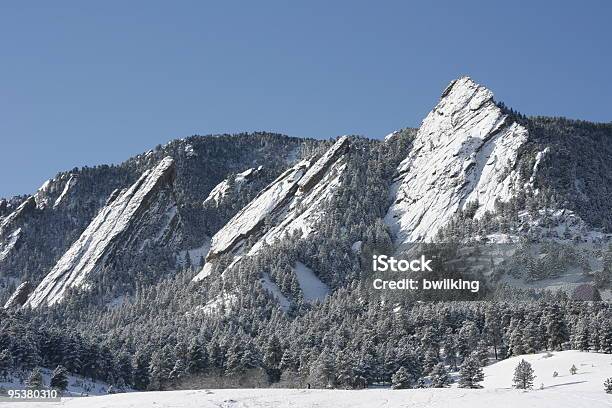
313,289
222,189
195,254
391,135
222,303
189,151
67,187
9,244
275,291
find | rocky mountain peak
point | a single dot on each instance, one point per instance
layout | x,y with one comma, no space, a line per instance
144,212
464,152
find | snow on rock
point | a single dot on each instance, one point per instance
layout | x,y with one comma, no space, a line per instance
24,208
290,203
221,303
10,230
42,194
19,297
463,152
189,151
312,288
391,135
221,189
69,184
254,214
7,245
356,247
146,202
318,169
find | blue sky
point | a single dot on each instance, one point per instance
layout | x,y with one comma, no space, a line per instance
84,84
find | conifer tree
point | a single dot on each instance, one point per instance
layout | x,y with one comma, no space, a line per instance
59,378
272,358
523,376
470,373
6,363
401,379
608,385
35,380
440,377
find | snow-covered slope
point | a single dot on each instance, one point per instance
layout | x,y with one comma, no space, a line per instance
583,390
310,284
288,204
10,230
145,212
221,189
464,152
19,296
78,386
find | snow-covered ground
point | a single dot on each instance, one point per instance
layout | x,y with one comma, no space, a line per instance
584,389
77,385
312,287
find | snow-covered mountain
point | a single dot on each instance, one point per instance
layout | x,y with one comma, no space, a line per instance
144,215
222,189
290,203
246,260
465,152
37,231
473,165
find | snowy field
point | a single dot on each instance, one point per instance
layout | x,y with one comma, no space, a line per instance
584,389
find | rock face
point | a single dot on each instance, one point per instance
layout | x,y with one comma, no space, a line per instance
10,230
19,297
288,204
143,214
222,189
464,152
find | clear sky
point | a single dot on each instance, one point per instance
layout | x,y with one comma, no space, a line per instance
84,84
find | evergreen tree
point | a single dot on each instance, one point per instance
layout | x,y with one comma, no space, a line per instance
608,385
401,379
272,358
141,370
523,376
249,360
470,373
450,352
196,358
573,370
555,327
324,369
6,363
440,377
59,378
35,380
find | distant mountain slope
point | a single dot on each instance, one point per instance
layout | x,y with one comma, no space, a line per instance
37,230
142,217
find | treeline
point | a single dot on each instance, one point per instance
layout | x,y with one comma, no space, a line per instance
345,342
